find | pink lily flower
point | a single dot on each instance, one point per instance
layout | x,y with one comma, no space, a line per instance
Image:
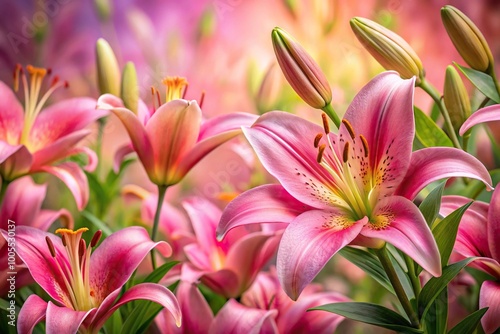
359,183
478,236
172,139
488,114
32,140
265,308
24,193
85,286
227,267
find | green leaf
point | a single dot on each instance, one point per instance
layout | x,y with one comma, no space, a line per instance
469,324
97,223
436,319
114,323
160,272
372,314
427,132
369,263
141,317
431,204
482,81
445,232
435,285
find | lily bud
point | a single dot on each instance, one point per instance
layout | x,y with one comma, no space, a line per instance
467,38
108,71
269,90
388,48
130,90
301,71
456,98
104,9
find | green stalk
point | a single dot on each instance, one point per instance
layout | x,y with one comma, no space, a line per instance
491,72
434,94
3,190
415,282
396,284
162,190
328,109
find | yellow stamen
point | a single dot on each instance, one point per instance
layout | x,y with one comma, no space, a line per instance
175,87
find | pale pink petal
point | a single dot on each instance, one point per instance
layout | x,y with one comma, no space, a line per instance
224,282
225,123
494,225
431,164
21,194
204,217
198,256
278,205
114,261
32,312
135,130
74,178
58,149
45,218
145,291
237,318
63,118
402,225
120,155
488,114
284,144
489,296
196,313
383,113
63,319
32,248
173,130
308,243
11,115
15,161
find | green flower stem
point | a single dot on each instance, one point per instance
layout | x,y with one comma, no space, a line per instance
328,109
491,72
3,190
100,133
396,284
162,190
434,94
415,282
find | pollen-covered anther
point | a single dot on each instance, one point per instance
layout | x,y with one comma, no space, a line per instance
51,246
326,125
321,150
317,139
96,238
349,128
34,71
345,154
176,86
365,144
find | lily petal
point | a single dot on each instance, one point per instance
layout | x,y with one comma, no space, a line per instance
196,313
489,296
145,291
225,123
120,155
279,206
434,163
64,320
488,114
307,245
92,159
20,194
494,225
224,282
116,258
203,215
32,312
15,161
237,318
12,115
290,158
402,225
386,106
74,178
45,218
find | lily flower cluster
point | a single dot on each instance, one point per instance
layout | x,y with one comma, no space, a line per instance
368,219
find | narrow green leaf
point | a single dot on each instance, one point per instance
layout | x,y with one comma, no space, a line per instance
431,204
445,232
427,132
482,81
140,318
160,272
97,223
372,314
369,263
469,324
435,285
436,319
114,323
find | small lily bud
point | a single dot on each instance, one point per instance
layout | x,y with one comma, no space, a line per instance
104,9
108,71
269,90
207,24
301,71
388,48
130,90
467,38
456,98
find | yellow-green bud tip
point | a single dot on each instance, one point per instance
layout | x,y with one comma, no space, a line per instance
456,98
129,89
108,71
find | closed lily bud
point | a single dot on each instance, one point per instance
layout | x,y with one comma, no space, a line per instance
108,71
301,71
388,48
269,90
456,98
467,38
130,90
